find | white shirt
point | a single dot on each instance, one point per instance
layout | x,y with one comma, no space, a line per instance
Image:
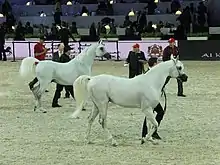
60,53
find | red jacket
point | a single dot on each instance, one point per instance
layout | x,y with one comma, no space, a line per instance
168,51
39,48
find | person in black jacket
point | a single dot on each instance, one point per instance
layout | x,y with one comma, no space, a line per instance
159,109
2,43
136,60
56,57
63,59
172,49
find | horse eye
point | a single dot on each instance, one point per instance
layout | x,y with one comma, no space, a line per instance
102,49
179,68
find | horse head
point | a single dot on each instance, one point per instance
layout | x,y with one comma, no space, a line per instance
177,70
101,51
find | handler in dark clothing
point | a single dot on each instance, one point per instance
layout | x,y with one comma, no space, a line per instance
63,59
2,43
56,57
168,51
136,60
159,109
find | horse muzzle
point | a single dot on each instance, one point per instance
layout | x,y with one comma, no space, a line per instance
183,77
107,56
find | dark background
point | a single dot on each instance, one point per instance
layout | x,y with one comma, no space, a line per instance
194,50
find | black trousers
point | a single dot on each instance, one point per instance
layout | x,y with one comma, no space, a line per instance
59,88
2,53
159,117
133,73
179,84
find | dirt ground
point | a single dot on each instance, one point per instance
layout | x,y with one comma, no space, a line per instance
190,128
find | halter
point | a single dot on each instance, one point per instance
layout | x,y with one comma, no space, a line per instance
177,68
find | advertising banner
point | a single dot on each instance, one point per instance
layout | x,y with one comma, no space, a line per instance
207,50
26,48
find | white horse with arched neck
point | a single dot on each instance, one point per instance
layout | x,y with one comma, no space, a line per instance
143,91
61,73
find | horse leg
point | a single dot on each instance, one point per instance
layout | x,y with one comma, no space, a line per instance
42,89
153,125
103,122
92,117
34,91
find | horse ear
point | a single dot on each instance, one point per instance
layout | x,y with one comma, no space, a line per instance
171,57
177,58
100,41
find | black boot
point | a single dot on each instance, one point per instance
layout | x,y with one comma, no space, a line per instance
31,84
57,95
180,88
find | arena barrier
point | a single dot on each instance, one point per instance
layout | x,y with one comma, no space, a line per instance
205,50
119,50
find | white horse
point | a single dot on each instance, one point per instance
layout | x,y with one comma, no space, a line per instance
143,91
62,73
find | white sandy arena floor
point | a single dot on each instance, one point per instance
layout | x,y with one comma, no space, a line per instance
190,129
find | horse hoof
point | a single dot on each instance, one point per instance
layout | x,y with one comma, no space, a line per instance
83,109
142,141
44,111
74,117
155,142
114,143
35,108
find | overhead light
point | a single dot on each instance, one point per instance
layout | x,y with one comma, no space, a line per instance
69,3
13,27
1,15
28,3
131,13
107,27
84,14
111,2
154,26
178,12
43,15
156,1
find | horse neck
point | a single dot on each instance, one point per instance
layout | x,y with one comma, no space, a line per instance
159,75
87,56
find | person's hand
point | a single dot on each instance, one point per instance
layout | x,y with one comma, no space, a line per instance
141,61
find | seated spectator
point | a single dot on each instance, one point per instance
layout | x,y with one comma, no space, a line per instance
19,32
129,31
159,26
28,28
127,22
113,29
54,32
92,31
84,10
151,7
42,30
175,6
73,28
149,28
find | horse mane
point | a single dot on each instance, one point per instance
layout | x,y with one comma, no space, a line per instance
157,66
84,52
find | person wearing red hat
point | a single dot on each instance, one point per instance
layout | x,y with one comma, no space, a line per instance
39,53
136,60
172,49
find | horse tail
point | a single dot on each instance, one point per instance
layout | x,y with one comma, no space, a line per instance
80,93
27,66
